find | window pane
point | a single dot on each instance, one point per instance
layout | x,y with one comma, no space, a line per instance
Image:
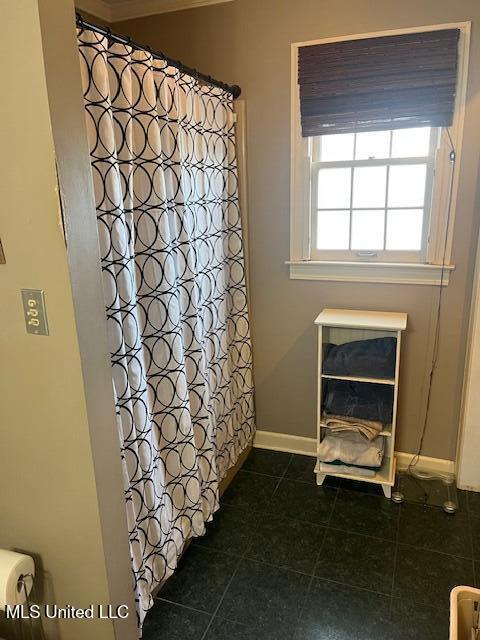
369,187
367,230
410,143
404,229
333,188
372,144
406,186
333,229
338,146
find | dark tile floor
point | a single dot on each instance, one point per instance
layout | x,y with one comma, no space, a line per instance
285,559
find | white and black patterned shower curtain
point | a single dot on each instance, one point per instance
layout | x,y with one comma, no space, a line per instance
164,169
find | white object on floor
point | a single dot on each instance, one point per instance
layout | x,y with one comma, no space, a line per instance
338,326
463,615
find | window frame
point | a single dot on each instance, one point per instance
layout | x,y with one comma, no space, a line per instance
304,261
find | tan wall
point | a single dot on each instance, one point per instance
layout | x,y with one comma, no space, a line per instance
49,493
248,42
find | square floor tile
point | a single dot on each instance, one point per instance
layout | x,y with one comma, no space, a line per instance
340,612
432,528
264,597
166,621
357,560
270,463
287,543
303,501
475,529
200,579
427,577
474,502
250,491
222,629
367,514
301,468
230,530
424,623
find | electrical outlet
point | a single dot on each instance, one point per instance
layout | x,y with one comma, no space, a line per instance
35,312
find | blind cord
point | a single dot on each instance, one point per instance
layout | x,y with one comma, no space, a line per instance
415,459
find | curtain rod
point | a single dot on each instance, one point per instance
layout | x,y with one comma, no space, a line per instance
82,23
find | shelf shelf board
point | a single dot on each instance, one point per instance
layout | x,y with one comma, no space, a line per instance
386,432
389,381
385,475
354,319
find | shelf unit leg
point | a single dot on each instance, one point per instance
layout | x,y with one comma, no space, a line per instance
320,478
387,490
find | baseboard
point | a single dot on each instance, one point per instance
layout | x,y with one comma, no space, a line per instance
437,466
308,447
285,442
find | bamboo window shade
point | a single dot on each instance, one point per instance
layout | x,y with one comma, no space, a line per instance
388,82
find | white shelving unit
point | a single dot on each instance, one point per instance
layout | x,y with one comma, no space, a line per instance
338,326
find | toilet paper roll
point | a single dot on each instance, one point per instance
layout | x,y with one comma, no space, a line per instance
16,569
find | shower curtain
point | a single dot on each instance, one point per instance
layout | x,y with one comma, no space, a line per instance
164,169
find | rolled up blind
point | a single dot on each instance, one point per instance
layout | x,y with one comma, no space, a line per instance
389,82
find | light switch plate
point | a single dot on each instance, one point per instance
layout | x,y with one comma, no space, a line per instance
35,312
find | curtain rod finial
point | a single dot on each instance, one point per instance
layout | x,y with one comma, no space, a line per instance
236,91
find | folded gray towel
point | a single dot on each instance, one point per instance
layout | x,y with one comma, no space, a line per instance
352,448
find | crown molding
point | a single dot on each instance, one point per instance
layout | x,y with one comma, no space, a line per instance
128,9
98,8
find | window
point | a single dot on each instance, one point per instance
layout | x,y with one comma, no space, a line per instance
371,194
371,204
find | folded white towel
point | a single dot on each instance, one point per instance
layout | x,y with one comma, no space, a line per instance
352,448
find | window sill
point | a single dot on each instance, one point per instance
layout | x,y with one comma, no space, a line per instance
381,272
